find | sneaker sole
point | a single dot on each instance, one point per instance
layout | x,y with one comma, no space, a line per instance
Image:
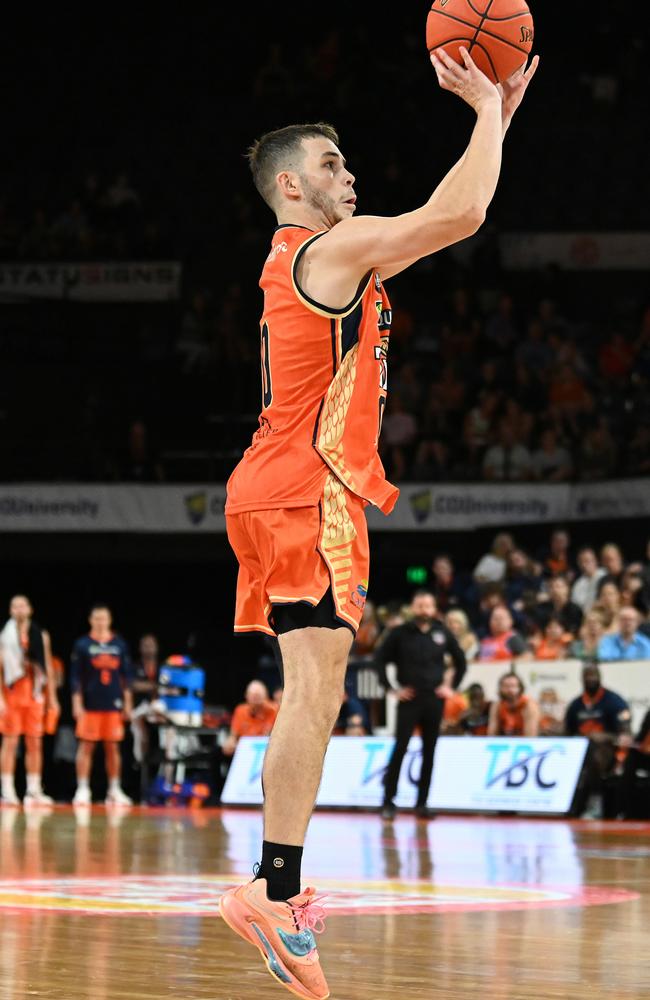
248,930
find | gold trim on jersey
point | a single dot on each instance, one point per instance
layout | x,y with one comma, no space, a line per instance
311,304
335,410
337,535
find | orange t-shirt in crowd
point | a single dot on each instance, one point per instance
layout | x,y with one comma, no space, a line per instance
454,708
324,383
552,649
511,717
244,723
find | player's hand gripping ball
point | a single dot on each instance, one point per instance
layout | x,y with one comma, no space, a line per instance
498,34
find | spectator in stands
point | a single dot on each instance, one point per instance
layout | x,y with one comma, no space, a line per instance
455,707
458,624
568,395
492,566
253,717
514,713
534,352
598,453
556,559
503,643
399,428
523,579
551,462
637,454
629,643
450,588
559,606
604,718
609,603
474,720
551,713
585,589
492,595
509,460
615,358
612,561
431,462
553,643
586,646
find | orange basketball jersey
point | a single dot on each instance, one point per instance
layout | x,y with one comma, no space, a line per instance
324,381
511,717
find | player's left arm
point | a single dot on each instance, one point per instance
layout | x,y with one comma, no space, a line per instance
531,718
127,672
52,697
512,94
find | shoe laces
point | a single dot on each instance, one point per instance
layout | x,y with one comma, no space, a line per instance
310,915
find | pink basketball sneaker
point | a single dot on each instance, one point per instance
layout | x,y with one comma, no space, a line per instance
283,932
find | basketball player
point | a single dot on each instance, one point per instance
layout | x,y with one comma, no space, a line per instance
100,681
28,688
513,713
295,505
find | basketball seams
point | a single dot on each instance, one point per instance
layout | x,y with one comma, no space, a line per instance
480,13
478,31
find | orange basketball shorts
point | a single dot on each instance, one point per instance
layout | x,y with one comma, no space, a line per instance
99,726
295,554
24,715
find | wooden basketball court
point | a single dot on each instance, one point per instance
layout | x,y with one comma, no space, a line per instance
106,904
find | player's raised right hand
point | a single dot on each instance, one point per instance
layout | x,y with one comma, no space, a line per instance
468,81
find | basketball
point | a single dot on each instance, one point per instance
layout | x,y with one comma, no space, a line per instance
499,34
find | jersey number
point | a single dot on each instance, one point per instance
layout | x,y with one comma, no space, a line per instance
105,676
267,391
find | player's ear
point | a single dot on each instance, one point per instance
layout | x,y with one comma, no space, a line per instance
289,184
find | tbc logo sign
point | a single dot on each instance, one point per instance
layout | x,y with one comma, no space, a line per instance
525,765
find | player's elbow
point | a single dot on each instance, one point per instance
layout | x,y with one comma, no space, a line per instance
473,218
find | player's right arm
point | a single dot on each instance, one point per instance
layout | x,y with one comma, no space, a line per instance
456,208
75,682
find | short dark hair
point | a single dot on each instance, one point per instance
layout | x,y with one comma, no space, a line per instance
100,606
277,150
423,593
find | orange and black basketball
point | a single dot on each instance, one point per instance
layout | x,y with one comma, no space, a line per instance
499,34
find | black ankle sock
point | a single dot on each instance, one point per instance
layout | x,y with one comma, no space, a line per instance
281,868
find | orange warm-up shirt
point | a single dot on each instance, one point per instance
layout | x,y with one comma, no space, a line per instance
324,382
244,723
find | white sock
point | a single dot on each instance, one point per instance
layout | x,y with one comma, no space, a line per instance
114,785
8,787
34,784
82,783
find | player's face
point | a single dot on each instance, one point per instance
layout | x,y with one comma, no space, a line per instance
510,689
100,620
326,182
20,609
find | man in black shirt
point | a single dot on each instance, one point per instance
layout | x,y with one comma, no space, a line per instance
418,649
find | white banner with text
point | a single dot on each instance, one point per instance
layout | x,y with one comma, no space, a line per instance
470,773
421,507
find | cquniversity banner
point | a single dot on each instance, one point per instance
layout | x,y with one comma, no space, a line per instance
471,773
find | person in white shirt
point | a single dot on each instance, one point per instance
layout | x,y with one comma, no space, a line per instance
491,568
585,589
